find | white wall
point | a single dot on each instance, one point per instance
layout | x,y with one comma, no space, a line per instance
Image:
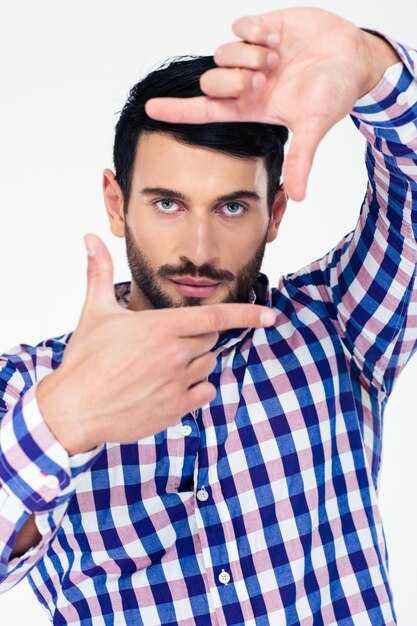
66,68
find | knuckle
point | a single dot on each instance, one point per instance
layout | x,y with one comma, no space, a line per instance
209,392
258,57
243,80
178,355
92,271
198,396
211,361
256,30
240,80
216,319
211,342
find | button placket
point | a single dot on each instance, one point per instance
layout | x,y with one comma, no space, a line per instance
186,430
224,577
202,494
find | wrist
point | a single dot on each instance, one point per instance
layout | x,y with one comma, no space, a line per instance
378,56
54,406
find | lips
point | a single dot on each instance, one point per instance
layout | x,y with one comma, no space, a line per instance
195,282
195,287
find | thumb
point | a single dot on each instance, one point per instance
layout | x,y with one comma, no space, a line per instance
100,291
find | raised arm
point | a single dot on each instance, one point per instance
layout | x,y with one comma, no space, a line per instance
307,69
37,478
62,400
369,280
302,68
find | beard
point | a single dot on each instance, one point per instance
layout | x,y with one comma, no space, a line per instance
148,279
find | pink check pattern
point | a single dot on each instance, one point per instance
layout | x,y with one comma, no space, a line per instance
260,508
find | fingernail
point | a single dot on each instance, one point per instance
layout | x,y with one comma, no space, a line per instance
89,247
268,318
272,40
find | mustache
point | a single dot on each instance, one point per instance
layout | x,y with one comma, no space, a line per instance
187,268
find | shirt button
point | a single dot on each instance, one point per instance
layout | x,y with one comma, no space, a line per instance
224,577
202,494
52,482
186,430
401,98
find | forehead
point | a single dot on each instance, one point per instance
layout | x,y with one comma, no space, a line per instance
163,160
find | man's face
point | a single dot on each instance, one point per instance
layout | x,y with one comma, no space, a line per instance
196,225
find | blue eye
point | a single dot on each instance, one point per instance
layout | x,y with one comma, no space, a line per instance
166,205
234,208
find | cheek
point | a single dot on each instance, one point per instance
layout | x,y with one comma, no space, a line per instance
151,241
238,250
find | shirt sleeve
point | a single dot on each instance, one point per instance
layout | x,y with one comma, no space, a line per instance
368,280
36,474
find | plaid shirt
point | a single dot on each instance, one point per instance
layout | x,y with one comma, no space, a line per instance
260,508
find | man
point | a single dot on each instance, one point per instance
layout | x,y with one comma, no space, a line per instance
134,491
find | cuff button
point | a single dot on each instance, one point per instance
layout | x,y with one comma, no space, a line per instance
51,482
401,99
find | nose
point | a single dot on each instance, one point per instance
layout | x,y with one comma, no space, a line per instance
201,244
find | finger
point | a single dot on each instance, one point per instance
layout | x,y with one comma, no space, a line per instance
199,395
199,344
198,110
100,290
248,56
298,162
257,29
191,321
230,82
201,368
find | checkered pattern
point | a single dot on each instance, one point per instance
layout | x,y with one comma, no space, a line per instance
287,455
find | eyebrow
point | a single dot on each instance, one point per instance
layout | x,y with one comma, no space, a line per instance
240,194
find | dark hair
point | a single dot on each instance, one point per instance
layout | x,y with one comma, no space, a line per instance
180,78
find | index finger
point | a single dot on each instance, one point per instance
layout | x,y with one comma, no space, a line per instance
196,110
219,317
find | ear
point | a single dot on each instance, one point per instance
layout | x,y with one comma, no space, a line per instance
113,199
277,213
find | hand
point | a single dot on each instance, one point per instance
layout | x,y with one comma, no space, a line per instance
129,374
302,68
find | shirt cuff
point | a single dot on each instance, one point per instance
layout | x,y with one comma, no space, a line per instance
393,101
34,466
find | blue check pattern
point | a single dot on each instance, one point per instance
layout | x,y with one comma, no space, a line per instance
261,508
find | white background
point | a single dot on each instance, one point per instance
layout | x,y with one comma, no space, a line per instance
66,69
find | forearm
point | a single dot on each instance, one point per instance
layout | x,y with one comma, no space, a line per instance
37,477
376,308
